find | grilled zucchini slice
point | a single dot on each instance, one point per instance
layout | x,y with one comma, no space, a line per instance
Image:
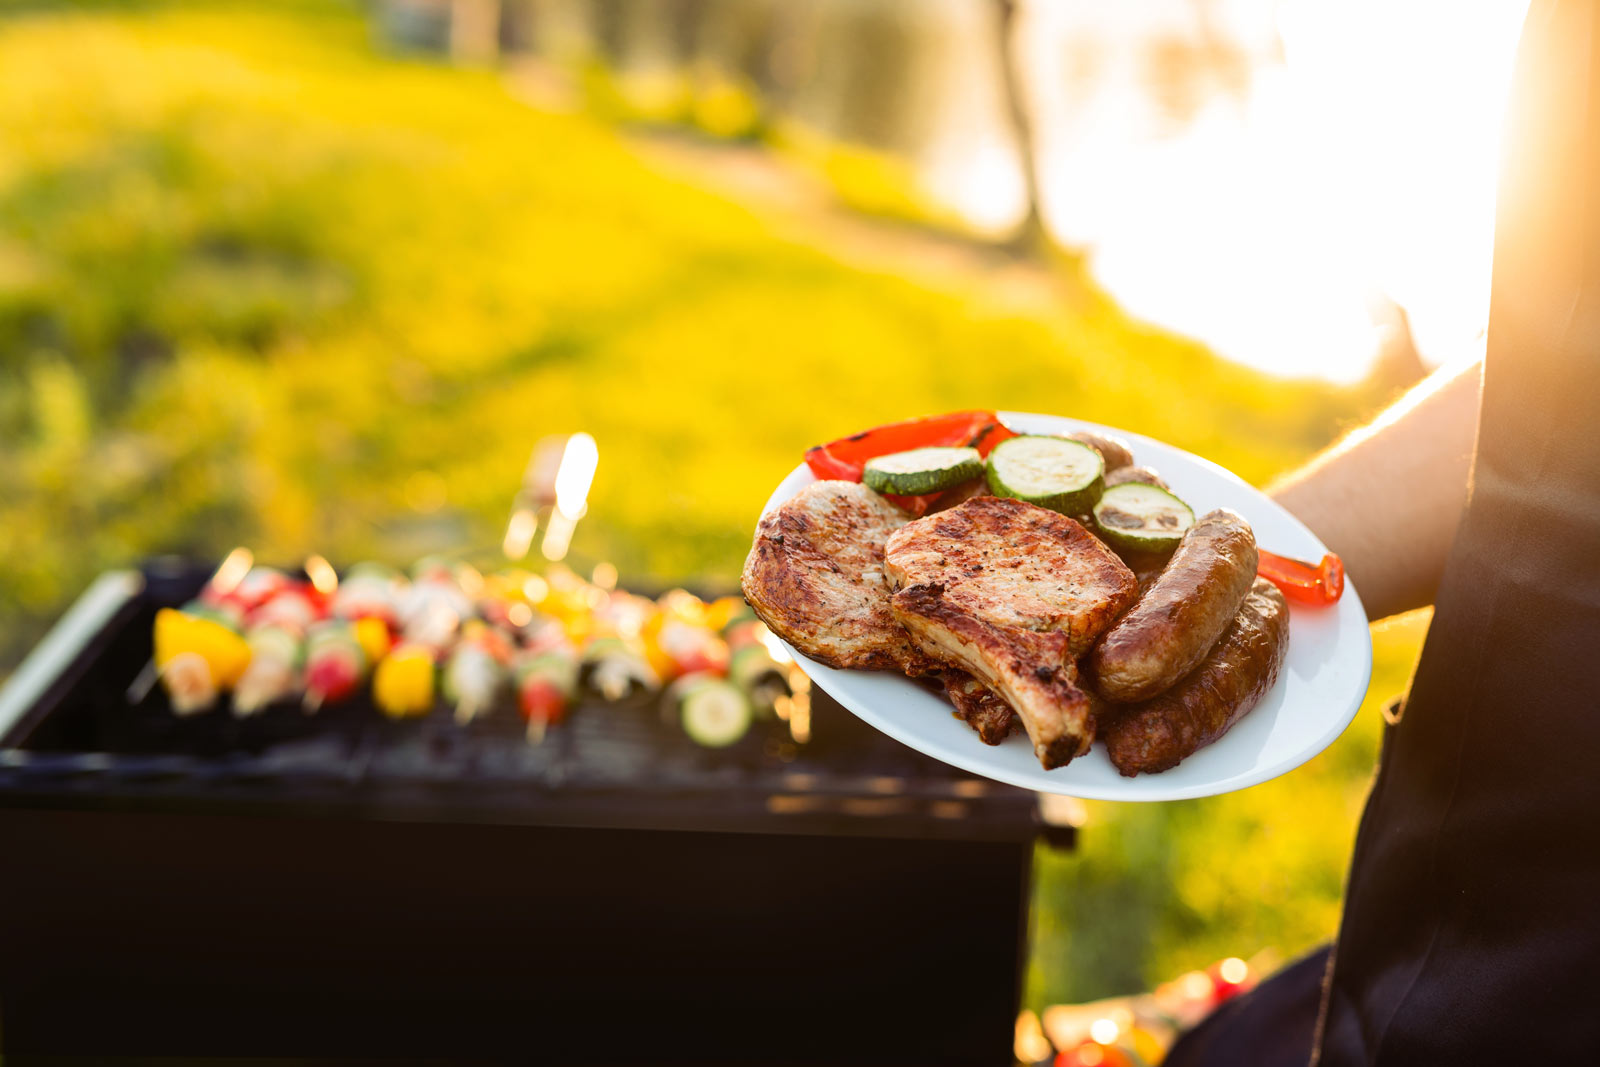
1134,517
1065,476
921,470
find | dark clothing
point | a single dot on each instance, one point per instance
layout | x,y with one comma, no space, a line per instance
1272,1025
1471,929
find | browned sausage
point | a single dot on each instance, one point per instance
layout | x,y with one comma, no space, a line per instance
1155,735
1147,574
1113,450
1143,475
1173,625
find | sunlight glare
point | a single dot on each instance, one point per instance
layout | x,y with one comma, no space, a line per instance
1357,170
231,571
519,533
578,463
982,182
775,647
324,579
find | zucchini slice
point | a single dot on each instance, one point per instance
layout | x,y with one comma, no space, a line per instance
1134,517
921,470
1065,476
715,714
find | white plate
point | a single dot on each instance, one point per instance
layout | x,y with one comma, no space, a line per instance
1323,680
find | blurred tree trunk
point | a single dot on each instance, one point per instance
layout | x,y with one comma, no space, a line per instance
475,31
1030,237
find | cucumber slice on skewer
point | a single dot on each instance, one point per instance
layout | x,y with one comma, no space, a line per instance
921,470
715,714
1133,517
1065,476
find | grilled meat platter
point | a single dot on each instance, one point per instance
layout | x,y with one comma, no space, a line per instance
1045,584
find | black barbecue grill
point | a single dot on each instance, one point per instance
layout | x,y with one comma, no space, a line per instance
344,884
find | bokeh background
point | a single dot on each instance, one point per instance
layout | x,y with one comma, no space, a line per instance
315,276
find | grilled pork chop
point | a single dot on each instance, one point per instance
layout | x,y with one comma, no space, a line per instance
1013,593
978,707
815,576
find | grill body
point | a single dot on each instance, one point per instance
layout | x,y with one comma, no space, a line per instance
347,886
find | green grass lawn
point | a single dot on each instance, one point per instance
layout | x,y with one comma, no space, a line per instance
262,283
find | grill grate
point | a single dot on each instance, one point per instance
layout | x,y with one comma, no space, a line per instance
628,763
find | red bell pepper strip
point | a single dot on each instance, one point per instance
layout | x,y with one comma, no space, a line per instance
1304,583
844,459
828,469
917,505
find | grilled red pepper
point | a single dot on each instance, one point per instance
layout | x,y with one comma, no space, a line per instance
1304,583
843,459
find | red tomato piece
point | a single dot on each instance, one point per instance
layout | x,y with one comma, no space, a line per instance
332,679
541,700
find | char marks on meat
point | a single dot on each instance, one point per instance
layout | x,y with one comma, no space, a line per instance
1012,593
815,575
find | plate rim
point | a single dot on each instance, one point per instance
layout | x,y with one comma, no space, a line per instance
1336,727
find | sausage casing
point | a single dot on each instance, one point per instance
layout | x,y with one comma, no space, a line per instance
1142,475
1114,451
1173,625
1156,735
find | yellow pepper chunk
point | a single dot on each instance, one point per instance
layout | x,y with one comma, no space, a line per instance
372,634
403,685
225,653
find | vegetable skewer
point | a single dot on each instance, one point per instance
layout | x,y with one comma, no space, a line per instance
370,590
197,657
753,668
475,673
453,636
336,664
614,671
276,655
546,683
403,684
714,711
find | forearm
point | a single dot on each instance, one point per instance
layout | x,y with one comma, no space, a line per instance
1388,498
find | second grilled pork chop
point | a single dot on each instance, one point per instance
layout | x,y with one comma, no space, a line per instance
978,707
815,576
1013,593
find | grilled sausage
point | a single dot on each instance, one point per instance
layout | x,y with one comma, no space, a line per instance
1147,574
1174,624
1156,735
1113,450
1143,475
